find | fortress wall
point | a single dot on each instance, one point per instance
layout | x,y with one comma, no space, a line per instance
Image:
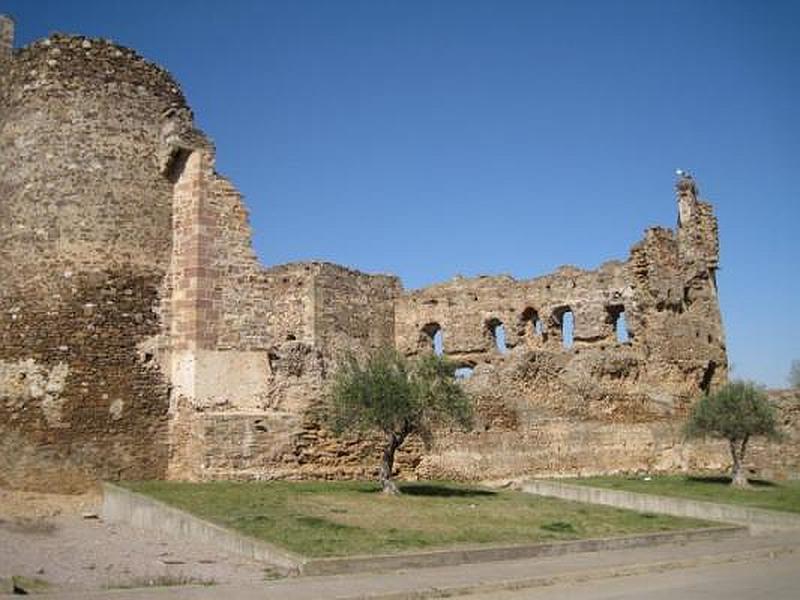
79,399
251,347
85,240
779,460
355,312
218,283
282,435
602,404
141,337
564,447
675,291
237,369
79,138
283,306
260,307
530,312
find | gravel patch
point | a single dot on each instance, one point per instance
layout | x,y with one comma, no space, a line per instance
61,540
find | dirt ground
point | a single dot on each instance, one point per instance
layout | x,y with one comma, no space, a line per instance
62,541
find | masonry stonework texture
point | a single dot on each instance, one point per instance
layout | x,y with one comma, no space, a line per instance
140,337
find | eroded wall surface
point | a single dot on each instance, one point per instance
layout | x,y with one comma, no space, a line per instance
646,340
85,241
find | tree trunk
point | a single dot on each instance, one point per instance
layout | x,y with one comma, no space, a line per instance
388,486
739,478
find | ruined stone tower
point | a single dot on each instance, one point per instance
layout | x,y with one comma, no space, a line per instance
140,337
86,230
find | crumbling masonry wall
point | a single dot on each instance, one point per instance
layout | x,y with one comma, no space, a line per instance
251,348
85,240
140,337
600,403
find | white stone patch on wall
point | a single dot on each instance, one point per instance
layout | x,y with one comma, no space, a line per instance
216,380
26,381
115,409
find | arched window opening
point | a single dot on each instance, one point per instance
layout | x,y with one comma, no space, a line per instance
433,333
498,332
708,377
464,373
500,338
176,164
530,324
621,328
567,329
616,317
438,343
565,321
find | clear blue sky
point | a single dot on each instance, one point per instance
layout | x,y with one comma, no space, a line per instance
433,138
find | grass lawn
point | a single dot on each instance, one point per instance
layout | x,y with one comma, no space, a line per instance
319,519
762,494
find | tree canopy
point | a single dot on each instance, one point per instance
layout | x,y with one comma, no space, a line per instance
736,412
397,396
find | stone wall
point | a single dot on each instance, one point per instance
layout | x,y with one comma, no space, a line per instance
778,460
79,399
85,242
79,138
249,348
597,404
468,312
355,312
610,400
511,332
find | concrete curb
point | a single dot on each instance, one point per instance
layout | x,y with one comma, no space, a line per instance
120,504
441,558
756,519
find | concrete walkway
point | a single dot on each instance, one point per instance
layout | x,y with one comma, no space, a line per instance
486,577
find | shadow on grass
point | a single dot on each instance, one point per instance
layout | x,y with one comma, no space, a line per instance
442,491
430,489
725,480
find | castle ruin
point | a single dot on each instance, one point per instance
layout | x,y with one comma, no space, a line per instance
140,337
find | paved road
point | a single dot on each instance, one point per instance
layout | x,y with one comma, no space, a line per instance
730,568
776,579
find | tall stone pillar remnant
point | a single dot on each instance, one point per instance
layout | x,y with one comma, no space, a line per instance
6,37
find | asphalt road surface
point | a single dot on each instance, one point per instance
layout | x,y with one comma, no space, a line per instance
776,579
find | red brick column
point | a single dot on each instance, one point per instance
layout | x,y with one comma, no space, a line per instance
195,300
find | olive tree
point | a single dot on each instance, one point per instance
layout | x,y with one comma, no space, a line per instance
396,396
736,412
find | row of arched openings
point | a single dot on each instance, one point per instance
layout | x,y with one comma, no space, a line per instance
563,320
